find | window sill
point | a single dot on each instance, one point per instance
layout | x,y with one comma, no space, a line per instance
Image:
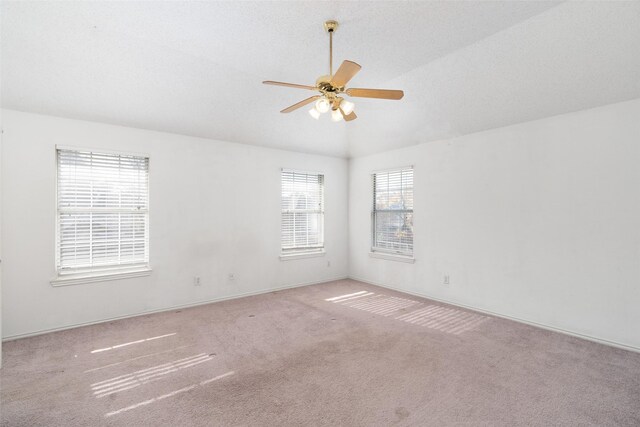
392,257
290,257
79,279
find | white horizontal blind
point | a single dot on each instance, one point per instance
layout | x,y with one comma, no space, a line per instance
103,211
302,227
393,211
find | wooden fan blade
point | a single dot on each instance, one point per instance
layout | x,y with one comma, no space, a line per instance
300,104
376,93
269,82
347,70
348,117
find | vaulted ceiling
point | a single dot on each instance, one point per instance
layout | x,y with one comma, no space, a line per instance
196,68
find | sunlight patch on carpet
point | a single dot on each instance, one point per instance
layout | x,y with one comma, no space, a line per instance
100,350
444,319
383,305
135,358
164,396
144,376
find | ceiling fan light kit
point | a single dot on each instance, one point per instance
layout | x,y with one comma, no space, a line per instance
331,86
347,106
314,113
323,105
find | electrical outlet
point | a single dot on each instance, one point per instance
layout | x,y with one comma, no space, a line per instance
445,280
231,276
196,281
328,263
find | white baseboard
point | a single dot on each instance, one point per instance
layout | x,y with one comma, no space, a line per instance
298,285
170,308
505,316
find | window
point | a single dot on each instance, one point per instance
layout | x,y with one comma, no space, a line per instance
392,214
302,227
103,212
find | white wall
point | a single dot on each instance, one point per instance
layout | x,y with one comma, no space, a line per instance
538,221
1,238
214,210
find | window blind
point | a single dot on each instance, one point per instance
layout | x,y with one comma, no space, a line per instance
392,213
103,211
302,226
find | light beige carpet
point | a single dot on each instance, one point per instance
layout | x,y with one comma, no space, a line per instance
340,353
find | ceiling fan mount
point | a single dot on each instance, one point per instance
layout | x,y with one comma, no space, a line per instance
332,85
331,26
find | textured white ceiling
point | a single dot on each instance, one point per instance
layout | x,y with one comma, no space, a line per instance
196,68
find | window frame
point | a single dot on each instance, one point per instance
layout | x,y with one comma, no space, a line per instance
106,272
304,252
381,252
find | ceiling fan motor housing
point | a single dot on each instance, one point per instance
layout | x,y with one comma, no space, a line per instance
323,83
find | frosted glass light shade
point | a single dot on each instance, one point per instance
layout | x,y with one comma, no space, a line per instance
347,106
322,105
336,115
314,113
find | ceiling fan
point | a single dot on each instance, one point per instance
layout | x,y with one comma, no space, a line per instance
333,85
